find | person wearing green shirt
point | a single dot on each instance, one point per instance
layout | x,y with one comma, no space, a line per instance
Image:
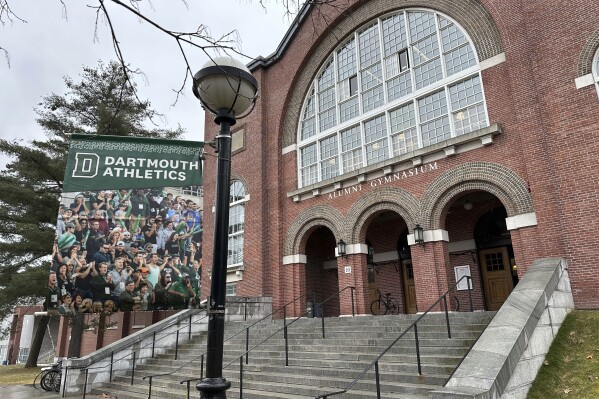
180,292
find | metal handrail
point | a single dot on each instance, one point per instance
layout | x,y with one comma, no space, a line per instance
284,328
153,343
150,377
414,326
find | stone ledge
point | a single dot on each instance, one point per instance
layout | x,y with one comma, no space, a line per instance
504,361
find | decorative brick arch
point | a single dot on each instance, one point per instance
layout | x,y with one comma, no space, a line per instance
585,59
383,199
494,178
471,15
303,225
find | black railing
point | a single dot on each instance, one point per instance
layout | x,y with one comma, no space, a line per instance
285,337
201,356
133,355
414,326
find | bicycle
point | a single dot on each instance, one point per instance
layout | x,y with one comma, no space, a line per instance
384,304
50,377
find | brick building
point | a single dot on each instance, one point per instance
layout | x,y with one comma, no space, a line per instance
474,119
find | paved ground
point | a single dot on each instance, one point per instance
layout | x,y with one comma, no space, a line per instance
25,392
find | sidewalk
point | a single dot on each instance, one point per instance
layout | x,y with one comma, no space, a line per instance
25,392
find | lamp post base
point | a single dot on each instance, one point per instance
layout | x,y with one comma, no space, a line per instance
213,388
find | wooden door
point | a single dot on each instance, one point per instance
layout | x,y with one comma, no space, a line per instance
497,276
409,288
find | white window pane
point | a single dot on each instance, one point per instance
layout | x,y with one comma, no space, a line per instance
435,131
351,147
375,129
466,93
349,109
421,25
308,128
373,98
327,119
452,37
372,76
470,119
394,34
327,76
428,73
425,50
404,142
346,61
370,51
326,99
237,191
459,59
377,152
399,86
402,118
432,106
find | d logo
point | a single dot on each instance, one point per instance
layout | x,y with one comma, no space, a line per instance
86,165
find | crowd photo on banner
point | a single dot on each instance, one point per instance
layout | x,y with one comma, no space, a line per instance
126,250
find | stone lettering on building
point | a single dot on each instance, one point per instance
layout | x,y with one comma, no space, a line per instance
381,181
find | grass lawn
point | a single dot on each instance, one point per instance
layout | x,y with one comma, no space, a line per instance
16,374
571,368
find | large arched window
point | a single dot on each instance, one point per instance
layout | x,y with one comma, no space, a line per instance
237,201
402,82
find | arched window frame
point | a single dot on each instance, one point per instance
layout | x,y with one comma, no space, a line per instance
237,199
595,70
331,144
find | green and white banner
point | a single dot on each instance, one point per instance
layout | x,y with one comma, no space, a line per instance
115,162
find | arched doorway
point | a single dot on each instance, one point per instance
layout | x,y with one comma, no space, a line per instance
480,246
322,280
386,232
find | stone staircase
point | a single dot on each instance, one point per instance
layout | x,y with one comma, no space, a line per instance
317,365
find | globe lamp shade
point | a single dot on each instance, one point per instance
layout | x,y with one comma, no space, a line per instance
226,87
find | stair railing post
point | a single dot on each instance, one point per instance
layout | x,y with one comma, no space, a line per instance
417,349
322,318
447,316
202,367
286,346
378,381
245,310
153,343
133,369
85,384
64,387
469,281
177,346
353,312
150,389
241,377
247,345
189,335
188,384
111,361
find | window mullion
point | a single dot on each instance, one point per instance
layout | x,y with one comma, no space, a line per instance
452,132
418,130
440,44
410,55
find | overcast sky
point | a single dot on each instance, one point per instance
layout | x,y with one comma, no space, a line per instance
50,46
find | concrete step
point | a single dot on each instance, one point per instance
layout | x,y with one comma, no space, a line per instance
316,365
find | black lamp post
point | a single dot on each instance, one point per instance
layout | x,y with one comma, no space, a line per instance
228,90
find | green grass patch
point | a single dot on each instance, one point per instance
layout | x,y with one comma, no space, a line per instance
571,368
16,374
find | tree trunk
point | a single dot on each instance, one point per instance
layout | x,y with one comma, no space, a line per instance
36,342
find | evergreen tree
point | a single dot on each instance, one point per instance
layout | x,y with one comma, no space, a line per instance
103,102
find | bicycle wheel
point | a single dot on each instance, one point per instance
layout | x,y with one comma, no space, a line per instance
378,307
51,381
44,381
393,306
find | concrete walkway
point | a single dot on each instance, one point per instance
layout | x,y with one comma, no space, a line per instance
25,392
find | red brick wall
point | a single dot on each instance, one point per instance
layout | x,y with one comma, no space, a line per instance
549,140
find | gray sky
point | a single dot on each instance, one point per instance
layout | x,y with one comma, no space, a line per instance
50,46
